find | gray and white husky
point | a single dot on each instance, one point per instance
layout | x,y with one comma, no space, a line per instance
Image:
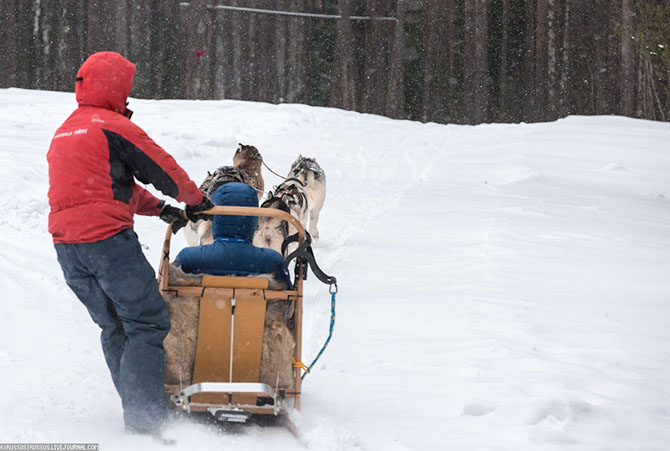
200,232
302,195
308,171
290,197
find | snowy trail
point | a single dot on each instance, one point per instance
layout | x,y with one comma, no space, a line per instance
517,306
502,286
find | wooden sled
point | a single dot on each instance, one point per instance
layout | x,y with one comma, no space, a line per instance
231,312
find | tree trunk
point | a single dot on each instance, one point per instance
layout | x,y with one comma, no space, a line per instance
530,110
8,66
214,55
281,37
50,32
372,100
224,32
93,24
238,31
38,31
265,73
119,29
297,68
563,87
196,60
73,42
600,20
154,21
431,8
450,18
141,43
551,108
627,75
172,50
541,59
395,92
129,29
450,100
24,44
221,60
342,92
613,56
4,43
504,85
249,88
476,64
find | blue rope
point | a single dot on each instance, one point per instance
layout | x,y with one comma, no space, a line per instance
330,333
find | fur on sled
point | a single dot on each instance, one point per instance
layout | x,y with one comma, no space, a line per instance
180,344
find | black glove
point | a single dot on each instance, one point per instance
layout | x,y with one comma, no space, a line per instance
191,210
173,215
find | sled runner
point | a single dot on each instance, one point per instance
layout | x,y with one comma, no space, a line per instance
235,345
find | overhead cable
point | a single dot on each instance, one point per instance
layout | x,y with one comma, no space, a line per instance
293,13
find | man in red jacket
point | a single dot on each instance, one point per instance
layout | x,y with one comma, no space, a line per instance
94,159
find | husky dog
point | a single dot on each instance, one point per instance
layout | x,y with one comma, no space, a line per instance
221,176
290,197
308,171
248,160
200,232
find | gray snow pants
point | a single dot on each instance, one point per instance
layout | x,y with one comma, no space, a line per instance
113,279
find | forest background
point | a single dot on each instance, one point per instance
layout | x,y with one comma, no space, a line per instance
447,61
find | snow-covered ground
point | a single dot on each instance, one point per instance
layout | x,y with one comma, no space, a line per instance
502,287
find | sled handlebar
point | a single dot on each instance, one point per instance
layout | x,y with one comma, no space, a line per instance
229,211
261,212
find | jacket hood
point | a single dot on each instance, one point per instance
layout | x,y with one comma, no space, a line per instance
240,227
105,80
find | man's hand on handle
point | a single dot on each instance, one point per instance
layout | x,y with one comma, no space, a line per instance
192,210
170,214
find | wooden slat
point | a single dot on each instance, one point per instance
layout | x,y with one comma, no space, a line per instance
234,282
212,354
249,323
228,292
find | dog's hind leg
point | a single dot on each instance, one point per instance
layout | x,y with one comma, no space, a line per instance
313,220
205,233
191,232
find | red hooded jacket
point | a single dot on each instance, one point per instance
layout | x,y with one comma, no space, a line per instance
96,155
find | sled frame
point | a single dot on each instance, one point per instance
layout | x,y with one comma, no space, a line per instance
225,374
